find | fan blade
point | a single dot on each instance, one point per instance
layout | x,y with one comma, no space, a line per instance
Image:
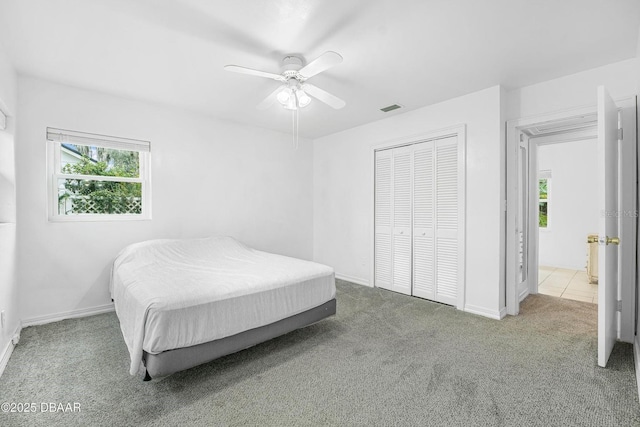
324,96
270,99
321,63
252,72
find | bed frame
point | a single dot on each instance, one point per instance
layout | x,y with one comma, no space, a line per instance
171,361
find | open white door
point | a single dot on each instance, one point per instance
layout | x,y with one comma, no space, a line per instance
608,225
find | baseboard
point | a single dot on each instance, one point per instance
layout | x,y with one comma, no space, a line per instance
503,312
481,311
83,312
8,350
352,279
636,359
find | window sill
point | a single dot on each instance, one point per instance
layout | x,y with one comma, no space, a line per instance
99,218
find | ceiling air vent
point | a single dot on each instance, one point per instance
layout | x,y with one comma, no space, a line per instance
391,108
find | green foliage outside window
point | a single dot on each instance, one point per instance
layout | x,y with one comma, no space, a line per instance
543,204
98,196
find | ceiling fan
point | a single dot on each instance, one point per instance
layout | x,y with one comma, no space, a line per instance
294,91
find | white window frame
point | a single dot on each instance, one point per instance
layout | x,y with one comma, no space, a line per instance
57,137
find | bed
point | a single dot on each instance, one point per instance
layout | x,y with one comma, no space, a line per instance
185,302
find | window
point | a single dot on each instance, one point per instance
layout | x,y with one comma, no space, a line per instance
96,177
544,184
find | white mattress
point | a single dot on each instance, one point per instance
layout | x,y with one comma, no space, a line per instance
178,293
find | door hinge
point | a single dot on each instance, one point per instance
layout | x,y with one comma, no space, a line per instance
619,306
620,134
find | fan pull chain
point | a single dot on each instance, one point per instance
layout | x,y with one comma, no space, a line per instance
295,124
293,127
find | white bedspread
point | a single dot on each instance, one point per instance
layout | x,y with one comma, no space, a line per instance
178,293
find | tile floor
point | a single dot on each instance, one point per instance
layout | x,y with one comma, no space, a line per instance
568,284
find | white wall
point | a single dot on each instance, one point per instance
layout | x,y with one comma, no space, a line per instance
239,171
208,176
575,90
343,192
573,205
8,278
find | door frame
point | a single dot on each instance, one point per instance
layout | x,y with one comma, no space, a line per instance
533,219
628,159
459,131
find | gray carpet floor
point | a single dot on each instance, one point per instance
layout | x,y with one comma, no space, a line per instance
384,360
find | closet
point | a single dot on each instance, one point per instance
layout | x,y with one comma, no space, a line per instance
419,220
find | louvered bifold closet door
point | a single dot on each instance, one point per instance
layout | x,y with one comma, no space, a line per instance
418,190
446,220
383,214
402,209
423,220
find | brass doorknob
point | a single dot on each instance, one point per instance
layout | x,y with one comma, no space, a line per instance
607,241
613,240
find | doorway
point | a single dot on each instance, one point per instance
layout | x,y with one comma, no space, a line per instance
524,136
567,216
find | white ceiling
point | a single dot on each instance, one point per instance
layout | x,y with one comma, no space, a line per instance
410,52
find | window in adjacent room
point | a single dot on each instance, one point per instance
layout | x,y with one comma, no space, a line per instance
544,185
97,177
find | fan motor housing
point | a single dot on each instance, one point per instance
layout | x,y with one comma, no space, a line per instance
291,63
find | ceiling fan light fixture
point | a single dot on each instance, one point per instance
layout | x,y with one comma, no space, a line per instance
284,96
291,103
294,91
303,98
